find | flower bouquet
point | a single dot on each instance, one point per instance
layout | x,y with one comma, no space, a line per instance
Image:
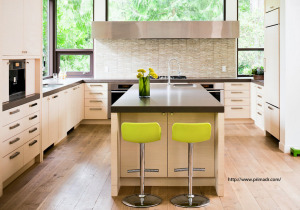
144,81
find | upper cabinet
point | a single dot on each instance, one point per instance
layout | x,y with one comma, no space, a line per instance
21,27
271,5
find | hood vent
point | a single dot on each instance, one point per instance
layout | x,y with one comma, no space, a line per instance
164,29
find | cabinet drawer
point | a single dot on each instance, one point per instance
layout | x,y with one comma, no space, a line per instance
260,120
13,115
96,86
237,86
237,112
32,119
95,113
237,94
99,94
31,132
12,162
13,129
260,90
272,18
272,123
260,107
237,101
95,102
11,144
31,149
33,107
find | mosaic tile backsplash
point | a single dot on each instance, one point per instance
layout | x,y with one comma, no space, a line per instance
197,57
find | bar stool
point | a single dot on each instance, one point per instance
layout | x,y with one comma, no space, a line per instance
141,133
190,133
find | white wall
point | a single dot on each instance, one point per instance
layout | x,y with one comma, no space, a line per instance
289,74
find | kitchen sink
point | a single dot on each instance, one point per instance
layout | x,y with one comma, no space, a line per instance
184,85
172,77
51,85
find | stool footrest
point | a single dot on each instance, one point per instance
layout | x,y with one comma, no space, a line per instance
186,169
138,170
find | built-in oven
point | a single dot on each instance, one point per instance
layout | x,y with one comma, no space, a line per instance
216,90
116,91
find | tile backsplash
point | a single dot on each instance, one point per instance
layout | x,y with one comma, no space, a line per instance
197,57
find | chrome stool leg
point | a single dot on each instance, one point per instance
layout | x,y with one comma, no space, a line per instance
142,200
190,200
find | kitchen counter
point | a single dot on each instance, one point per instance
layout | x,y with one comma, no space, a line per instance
18,102
165,98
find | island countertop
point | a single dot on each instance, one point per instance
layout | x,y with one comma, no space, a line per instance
168,98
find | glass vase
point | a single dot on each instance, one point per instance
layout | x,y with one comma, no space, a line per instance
144,86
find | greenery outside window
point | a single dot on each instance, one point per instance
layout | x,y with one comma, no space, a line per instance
168,10
46,49
251,42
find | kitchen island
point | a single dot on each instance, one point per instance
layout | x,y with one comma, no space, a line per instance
168,104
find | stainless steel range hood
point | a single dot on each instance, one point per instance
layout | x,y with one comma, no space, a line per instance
164,29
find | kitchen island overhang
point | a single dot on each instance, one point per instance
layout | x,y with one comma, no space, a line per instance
167,105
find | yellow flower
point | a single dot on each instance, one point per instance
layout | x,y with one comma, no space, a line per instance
139,75
141,70
154,75
151,70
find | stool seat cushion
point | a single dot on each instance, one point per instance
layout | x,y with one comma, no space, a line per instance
141,132
191,132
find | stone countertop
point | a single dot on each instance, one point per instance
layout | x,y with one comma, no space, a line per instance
165,98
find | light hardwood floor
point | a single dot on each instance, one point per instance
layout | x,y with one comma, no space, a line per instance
76,175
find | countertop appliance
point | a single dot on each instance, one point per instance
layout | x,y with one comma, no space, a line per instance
16,79
116,91
216,90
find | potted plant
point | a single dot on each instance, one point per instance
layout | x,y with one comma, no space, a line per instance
258,73
144,81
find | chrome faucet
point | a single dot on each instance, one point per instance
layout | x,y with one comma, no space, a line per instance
169,69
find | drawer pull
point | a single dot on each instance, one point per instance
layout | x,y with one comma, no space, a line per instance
14,155
259,96
259,104
270,108
32,105
95,109
31,118
96,93
236,92
14,141
236,84
235,100
96,85
32,143
95,101
259,87
55,96
74,88
259,113
14,112
236,107
31,131
14,126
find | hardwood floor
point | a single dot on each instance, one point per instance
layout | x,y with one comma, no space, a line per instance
76,175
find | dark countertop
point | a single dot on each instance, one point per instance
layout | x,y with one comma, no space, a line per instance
18,102
164,98
258,82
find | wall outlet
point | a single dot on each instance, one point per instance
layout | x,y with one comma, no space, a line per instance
224,69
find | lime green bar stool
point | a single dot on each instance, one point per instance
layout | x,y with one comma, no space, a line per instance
190,133
141,133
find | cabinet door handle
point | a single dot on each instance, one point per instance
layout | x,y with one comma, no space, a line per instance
32,143
32,105
259,113
14,141
236,92
95,109
14,112
235,100
95,101
234,84
270,108
96,85
14,126
14,155
259,104
259,87
96,93
259,96
31,118
236,107
31,131
55,96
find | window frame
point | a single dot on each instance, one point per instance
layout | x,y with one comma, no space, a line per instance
54,61
243,50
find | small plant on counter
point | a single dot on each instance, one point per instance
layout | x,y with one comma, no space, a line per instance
258,72
144,81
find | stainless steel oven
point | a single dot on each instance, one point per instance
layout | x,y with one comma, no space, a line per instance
216,90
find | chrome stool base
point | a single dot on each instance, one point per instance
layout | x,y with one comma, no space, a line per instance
142,201
187,201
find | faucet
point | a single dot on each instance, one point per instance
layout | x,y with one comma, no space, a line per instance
169,69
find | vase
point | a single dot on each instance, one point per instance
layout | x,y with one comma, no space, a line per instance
144,86
258,77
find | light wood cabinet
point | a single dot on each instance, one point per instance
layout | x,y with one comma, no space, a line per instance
45,122
30,76
271,5
21,27
257,105
53,122
62,113
272,122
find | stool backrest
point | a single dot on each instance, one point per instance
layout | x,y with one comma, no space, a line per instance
141,132
191,132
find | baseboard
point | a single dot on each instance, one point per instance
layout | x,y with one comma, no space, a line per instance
105,122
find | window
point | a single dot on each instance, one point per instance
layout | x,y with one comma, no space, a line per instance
45,38
251,41
167,10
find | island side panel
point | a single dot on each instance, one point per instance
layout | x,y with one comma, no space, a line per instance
219,153
115,153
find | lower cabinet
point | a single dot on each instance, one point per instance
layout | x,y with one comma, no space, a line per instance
257,105
272,123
